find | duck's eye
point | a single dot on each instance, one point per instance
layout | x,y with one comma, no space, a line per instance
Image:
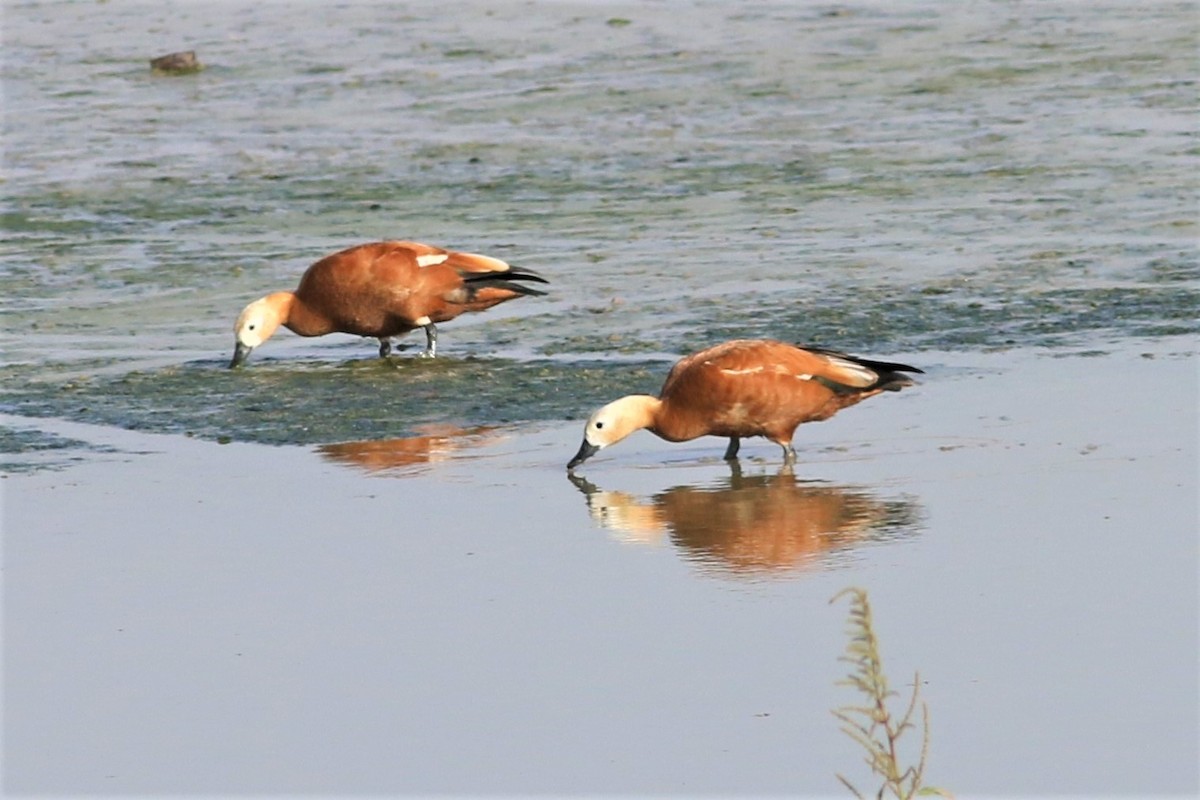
251,326
599,425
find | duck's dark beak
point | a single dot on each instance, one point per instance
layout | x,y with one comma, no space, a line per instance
239,355
586,451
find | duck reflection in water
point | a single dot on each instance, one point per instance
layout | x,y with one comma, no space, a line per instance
436,444
754,526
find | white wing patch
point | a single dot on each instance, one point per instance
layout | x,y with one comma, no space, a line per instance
778,370
862,376
429,259
495,264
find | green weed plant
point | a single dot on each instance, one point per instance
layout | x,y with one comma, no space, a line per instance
873,725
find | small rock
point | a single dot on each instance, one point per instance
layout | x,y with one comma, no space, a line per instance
177,63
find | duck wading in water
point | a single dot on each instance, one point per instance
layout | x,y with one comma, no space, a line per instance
381,290
744,388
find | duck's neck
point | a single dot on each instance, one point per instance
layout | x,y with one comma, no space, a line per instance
296,317
673,424
642,411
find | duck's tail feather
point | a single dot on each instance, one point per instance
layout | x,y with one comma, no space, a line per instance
891,377
509,281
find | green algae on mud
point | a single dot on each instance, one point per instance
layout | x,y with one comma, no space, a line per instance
879,317
29,449
311,403
599,356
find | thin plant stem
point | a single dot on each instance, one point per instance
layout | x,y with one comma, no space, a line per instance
873,725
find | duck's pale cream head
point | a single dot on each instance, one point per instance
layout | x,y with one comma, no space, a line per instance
614,422
257,322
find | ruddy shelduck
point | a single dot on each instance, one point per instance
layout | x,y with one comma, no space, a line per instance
744,388
381,290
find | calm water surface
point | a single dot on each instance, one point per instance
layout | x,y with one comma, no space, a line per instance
950,184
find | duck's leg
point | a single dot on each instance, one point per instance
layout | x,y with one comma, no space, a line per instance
789,454
735,473
385,347
430,341
732,450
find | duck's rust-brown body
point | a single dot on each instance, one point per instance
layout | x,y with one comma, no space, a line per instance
381,290
745,388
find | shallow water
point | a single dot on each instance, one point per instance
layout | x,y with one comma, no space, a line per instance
956,186
448,613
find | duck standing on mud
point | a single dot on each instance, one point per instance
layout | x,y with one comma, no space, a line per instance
381,290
